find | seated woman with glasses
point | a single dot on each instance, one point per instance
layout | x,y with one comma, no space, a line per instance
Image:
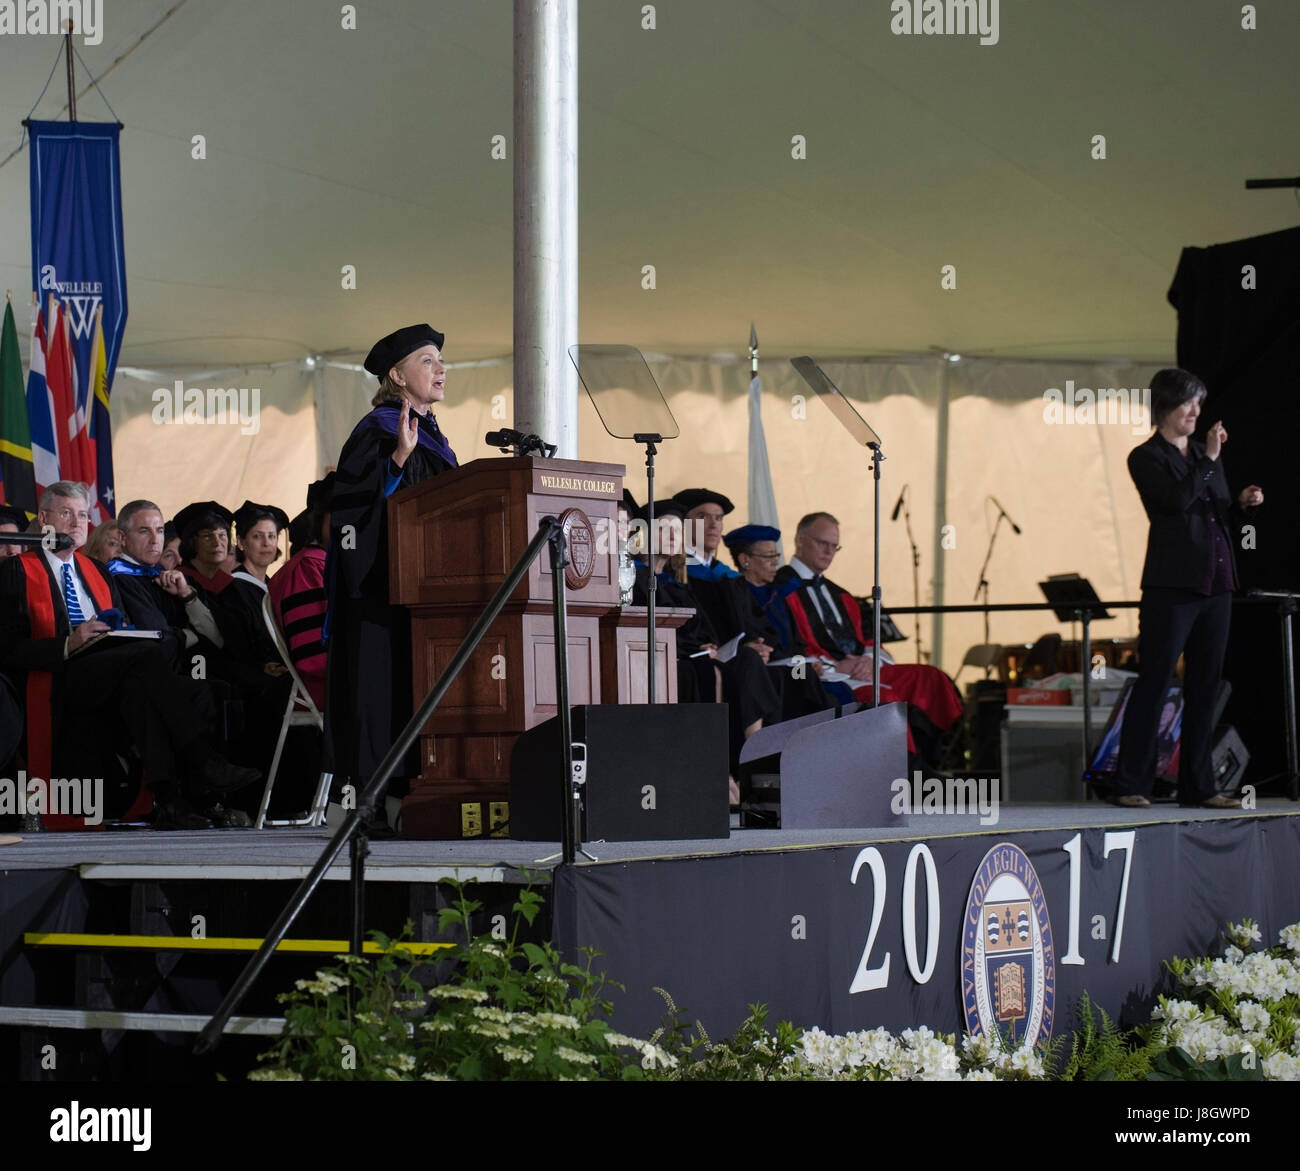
752,604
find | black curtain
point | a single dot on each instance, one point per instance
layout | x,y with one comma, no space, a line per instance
1244,343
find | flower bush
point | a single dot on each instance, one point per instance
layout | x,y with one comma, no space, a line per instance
515,1010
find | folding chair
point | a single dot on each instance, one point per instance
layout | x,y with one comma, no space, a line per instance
300,712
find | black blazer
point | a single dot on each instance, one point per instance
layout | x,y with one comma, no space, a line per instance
1180,545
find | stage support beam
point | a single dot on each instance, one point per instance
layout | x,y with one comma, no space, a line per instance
546,221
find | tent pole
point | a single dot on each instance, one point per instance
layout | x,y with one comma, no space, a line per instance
546,221
940,511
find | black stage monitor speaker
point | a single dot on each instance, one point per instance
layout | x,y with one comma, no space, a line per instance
1229,759
654,773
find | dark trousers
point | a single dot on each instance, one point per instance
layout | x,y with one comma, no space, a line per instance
1174,622
131,686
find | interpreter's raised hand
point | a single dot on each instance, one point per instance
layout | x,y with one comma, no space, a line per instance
1215,438
275,670
1251,497
408,431
85,632
173,581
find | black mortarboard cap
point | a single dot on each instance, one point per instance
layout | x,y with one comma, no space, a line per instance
204,514
318,493
388,351
662,508
750,535
249,514
690,498
13,516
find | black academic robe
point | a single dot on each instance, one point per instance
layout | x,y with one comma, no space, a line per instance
149,607
750,691
800,686
368,672
110,696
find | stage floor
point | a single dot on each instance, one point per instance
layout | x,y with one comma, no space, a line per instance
289,853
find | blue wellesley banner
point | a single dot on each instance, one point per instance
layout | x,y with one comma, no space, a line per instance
78,255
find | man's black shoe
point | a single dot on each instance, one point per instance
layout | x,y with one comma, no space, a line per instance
224,818
218,775
179,815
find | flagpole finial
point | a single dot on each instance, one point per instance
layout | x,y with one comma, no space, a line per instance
753,349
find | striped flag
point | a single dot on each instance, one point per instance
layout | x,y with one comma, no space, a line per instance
100,427
40,409
17,483
59,375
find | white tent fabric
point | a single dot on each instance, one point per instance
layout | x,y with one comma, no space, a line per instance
1064,483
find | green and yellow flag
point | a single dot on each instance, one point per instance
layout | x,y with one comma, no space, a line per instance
17,478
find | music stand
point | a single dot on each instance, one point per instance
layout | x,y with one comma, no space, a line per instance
1075,600
630,405
860,433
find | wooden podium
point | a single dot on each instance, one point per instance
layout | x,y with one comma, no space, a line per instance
453,540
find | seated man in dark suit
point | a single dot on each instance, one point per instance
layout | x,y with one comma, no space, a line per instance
83,687
156,598
828,623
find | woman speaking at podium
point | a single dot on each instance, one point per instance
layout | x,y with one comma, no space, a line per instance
398,444
1187,584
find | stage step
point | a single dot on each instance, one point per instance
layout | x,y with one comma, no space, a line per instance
92,942
147,1022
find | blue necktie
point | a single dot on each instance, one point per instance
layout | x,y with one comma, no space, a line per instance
75,616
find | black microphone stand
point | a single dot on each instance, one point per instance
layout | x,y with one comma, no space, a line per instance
916,571
877,458
983,587
652,543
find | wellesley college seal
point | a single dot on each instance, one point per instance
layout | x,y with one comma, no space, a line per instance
1008,966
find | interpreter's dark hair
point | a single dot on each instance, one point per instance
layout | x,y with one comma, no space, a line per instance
812,518
1170,389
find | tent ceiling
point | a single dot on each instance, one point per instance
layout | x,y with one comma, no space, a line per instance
371,147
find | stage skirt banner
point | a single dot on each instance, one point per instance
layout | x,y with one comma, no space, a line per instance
77,256
975,933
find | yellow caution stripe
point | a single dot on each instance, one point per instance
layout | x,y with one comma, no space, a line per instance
213,943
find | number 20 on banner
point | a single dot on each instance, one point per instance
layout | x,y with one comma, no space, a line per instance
867,978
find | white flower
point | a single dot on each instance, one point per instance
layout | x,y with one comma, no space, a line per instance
489,1029
656,1056
1234,955
1254,1018
436,1026
555,1020
510,1053
405,1062
434,1077
1244,933
981,1075
1282,1067
274,1075
1290,938
566,1054
369,1018
455,992
496,1015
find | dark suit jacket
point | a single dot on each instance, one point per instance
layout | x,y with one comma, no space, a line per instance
1180,546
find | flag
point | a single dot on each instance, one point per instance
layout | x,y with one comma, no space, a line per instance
762,497
17,480
59,377
40,409
101,431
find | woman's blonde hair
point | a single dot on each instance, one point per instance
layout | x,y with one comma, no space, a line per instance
388,392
